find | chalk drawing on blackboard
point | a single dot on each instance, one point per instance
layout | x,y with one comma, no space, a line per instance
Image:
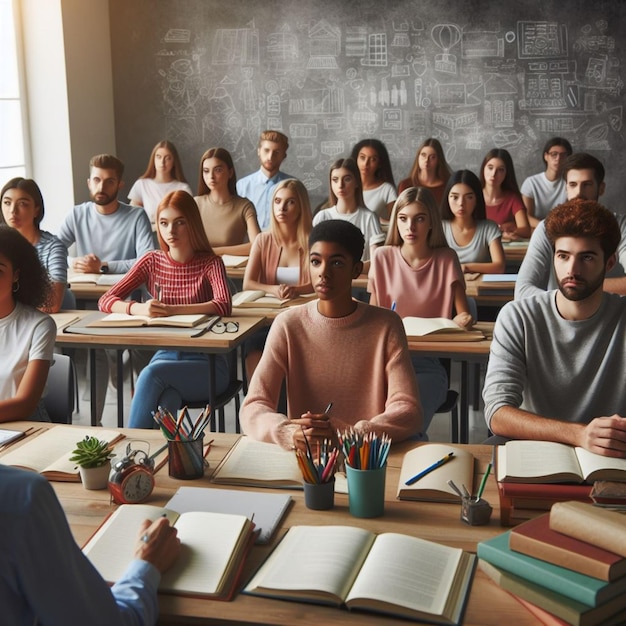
541,40
446,37
235,46
333,123
474,94
480,44
449,94
401,35
596,138
177,35
363,119
356,41
326,101
247,91
509,36
332,149
400,69
507,139
596,69
182,130
282,46
376,55
392,119
616,118
324,46
302,131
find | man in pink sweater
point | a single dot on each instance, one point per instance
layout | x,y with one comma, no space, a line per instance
337,350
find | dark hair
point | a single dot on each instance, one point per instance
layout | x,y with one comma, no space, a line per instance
584,161
584,218
556,141
465,177
177,169
32,189
351,166
443,169
383,172
510,182
34,283
222,155
107,162
343,233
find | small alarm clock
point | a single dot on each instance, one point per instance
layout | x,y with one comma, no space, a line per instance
132,478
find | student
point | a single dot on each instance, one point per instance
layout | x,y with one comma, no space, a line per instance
346,200
417,274
545,190
46,579
429,170
164,173
476,240
23,209
230,222
584,177
379,191
502,197
185,277
27,334
279,261
259,186
557,361
337,350
109,236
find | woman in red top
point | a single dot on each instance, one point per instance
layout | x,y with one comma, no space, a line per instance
185,277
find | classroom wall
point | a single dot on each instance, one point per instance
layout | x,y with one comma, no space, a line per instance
474,74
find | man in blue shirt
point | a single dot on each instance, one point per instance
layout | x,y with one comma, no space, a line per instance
259,186
46,579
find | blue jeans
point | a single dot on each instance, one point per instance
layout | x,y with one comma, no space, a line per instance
432,381
171,380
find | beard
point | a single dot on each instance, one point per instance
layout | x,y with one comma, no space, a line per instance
581,291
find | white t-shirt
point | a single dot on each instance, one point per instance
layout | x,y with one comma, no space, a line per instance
376,200
546,193
27,335
150,193
477,250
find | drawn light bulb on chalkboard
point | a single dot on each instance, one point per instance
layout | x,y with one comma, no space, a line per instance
446,36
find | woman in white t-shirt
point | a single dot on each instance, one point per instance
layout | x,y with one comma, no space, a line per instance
163,175
27,335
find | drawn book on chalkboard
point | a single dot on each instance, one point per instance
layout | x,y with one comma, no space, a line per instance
252,298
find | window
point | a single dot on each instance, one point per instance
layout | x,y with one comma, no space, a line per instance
12,158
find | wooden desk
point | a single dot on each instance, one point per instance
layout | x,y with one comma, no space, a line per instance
488,604
495,295
208,343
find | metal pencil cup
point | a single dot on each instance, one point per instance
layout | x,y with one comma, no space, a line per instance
186,458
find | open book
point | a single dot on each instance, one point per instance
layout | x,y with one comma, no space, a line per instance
114,320
549,462
213,552
437,329
105,280
258,464
389,573
251,298
49,453
234,260
434,486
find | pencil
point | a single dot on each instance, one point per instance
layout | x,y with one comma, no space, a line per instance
483,482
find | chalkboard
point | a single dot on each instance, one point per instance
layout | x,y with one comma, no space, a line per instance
474,74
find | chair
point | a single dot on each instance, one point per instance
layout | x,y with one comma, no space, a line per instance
450,405
59,396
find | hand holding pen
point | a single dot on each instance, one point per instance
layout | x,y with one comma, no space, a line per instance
314,426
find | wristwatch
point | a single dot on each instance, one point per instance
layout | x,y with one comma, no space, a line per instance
104,269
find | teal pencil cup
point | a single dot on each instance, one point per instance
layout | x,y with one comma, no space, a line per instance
186,458
366,491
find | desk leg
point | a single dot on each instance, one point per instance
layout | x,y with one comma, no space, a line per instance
212,392
465,401
120,388
92,384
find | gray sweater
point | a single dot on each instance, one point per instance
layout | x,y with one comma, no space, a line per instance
573,371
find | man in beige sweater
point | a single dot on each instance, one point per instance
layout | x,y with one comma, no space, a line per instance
334,350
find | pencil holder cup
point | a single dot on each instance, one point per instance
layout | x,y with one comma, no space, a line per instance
320,496
186,458
366,491
475,512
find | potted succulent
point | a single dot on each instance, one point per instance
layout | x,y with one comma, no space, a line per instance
93,458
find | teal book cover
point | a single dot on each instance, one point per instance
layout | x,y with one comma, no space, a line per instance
585,589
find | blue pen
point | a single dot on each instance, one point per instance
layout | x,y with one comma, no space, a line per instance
429,469
393,305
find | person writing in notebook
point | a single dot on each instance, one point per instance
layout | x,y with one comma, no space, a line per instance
557,362
334,349
46,579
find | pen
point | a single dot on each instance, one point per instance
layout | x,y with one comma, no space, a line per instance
430,468
393,305
157,291
483,482
328,408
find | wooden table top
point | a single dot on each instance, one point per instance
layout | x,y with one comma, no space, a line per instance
488,604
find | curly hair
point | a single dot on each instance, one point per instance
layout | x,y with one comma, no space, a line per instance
343,233
383,172
34,288
584,218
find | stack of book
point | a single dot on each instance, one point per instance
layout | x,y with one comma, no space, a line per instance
567,566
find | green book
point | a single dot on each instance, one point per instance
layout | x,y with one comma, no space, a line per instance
585,589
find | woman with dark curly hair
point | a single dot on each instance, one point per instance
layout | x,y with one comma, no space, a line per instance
27,335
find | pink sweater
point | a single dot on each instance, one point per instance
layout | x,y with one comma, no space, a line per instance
360,363
267,251
201,280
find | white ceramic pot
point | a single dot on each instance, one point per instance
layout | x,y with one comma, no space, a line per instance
95,477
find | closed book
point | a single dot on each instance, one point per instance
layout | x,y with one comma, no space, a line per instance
535,538
584,589
571,611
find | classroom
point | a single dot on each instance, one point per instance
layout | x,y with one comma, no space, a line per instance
114,77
